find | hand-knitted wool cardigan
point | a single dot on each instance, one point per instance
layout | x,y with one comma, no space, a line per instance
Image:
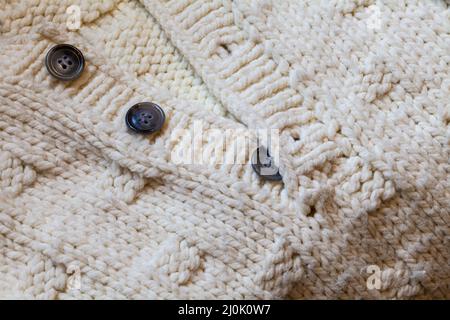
358,89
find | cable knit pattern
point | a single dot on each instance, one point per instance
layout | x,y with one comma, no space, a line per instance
358,89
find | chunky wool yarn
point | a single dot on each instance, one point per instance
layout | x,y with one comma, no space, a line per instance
359,91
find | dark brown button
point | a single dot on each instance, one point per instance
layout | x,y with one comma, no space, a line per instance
64,62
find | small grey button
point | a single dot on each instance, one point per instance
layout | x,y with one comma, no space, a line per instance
262,164
145,117
64,62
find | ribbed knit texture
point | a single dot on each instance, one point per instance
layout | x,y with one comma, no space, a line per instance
363,113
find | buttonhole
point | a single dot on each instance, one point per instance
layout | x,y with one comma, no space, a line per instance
225,47
312,210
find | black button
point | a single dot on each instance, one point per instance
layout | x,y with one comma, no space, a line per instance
64,62
262,164
145,117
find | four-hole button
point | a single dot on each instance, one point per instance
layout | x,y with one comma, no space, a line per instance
145,117
64,62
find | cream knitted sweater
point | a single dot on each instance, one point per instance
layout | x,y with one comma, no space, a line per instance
358,90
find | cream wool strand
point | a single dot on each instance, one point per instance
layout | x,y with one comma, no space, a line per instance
359,91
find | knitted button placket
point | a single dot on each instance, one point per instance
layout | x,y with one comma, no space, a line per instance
145,118
263,165
64,62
